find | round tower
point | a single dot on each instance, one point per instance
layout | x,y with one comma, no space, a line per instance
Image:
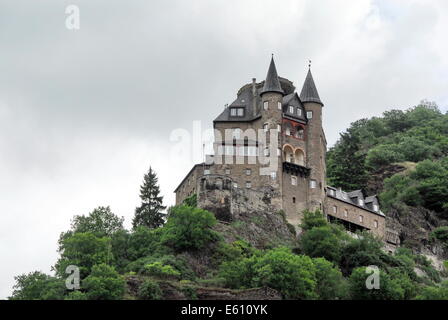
316,145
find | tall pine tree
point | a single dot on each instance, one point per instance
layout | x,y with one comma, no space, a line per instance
150,213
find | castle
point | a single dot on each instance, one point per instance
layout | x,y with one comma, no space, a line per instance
270,146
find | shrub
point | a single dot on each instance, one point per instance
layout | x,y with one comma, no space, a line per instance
330,284
38,286
104,283
160,270
149,290
177,263
293,275
144,242
388,289
189,228
326,241
313,219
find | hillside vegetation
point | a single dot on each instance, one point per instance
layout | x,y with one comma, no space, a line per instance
402,156
194,256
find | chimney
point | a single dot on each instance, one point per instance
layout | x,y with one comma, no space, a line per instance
254,96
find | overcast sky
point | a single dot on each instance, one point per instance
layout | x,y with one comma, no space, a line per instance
83,113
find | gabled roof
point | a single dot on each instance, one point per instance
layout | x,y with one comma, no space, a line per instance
272,83
309,91
349,197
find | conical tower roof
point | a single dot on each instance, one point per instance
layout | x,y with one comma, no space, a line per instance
272,83
309,91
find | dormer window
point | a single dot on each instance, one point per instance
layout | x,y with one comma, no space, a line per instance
360,202
279,105
375,207
237,112
265,105
291,109
299,112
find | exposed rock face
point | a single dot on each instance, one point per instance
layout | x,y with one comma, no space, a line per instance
376,180
413,225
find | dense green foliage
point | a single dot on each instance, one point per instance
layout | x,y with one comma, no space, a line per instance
413,135
187,252
103,283
189,228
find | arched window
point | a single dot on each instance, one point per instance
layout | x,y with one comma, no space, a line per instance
299,132
299,157
288,154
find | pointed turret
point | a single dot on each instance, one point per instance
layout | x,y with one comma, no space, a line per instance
272,84
309,91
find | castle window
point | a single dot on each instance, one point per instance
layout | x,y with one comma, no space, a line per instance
361,219
248,172
293,180
313,184
279,105
237,112
248,185
291,109
235,185
265,127
227,171
299,112
288,131
273,175
279,152
206,171
299,133
293,199
375,223
335,209
279,128
265,105
346,213
309,114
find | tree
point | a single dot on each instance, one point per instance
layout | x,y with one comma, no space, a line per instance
390,288
101,221
330,284
312,219
189,228
150,213
293,275
104,283
83,250
326,242
38,286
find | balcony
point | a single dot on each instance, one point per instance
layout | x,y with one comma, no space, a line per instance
296,169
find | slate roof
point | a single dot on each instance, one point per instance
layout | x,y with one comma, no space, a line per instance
353,197
272,83
309,91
